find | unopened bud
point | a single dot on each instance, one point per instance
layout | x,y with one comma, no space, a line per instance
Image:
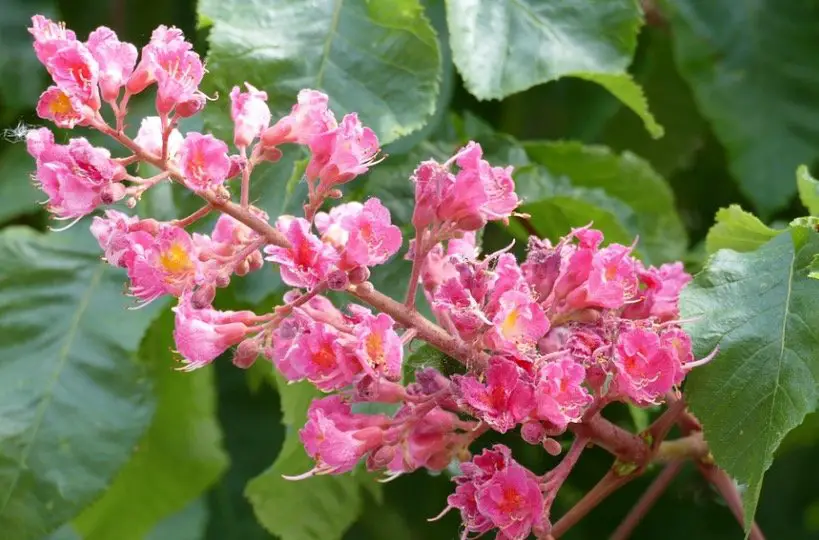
246,353
112,193
203,296
222,281
358,275
335,194
338,280
191,107
256,261
551,446
532,432
237,164
242,268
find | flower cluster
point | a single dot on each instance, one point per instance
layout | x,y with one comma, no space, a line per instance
546,343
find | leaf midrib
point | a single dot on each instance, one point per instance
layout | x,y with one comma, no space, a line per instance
49,390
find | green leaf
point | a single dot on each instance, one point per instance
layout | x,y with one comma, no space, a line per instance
738,230
176,461
506,46
17,192
623,177
74,400
379,58
760,309
318,508
189,523
754,76
808,189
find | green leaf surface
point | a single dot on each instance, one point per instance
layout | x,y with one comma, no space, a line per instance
808,190
738,230
74,399
378,58
625,178
17,192
318,508
759,308
754,76
502,47
176,461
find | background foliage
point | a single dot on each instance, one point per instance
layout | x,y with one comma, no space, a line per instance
654,130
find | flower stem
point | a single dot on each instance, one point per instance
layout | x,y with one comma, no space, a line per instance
417,263
647,500
194,217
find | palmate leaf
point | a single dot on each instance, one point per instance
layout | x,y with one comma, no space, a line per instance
74,400
378,58
505,46
759,308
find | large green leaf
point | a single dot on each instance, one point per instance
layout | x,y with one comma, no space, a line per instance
754,75
738,230
760,309
379,58
808,190
626,178
178,458
318,508
74,399
505,46
17,192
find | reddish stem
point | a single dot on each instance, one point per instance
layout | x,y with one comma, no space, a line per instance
647,500
244,200
194,217
417,263
605,487
723,483
626,446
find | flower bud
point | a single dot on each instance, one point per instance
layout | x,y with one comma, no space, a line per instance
112,193
242,268
191,107
203,296
337,280
246,353
237,164
359,274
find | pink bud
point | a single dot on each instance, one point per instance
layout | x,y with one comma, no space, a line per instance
338,280
112,193
359,275
192,106
250,114
203,296
246,353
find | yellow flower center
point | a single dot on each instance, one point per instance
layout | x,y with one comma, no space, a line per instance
509,324
375,348
61,105
175,259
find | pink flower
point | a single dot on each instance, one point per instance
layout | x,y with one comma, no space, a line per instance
166,45
612,278
149,137
513,502
48,37
116,61
518,324
542,266
76,72
204,161
308,260
55,105
678,343
645,370
203,334
501,199
455,303
336,438
77,177
660,292
378,346
503,401
440,263
168,265
308,118
341,154
177,79
431,181
122,237
430,441
318,355
560,395
250,114
363,234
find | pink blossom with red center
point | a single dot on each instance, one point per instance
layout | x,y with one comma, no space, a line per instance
497,183
178,75
429,441
440,263
116,61
645,370
336,438
319,355
168,265
363,234
559,393
250,114
201,335
378,346
454,303
77,177
149,137
55,105
122,237
659,292
76,72
204,161
308,118
612,279
308,260
508,277
342,153
48,37
518,324
513,502
503,401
